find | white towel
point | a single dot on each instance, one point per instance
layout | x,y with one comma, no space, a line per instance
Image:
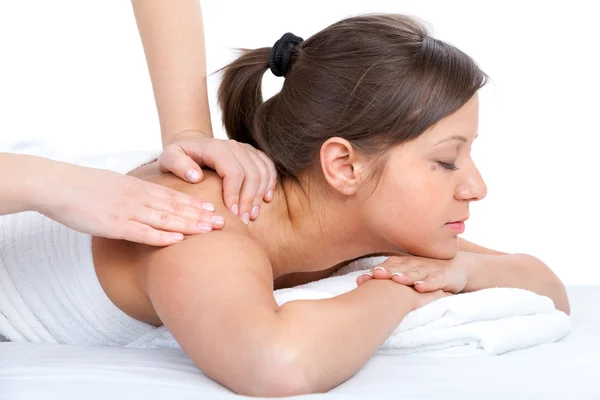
487,322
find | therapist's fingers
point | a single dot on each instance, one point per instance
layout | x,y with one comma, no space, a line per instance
268,196
251,182
168,209
175,198
165,221
174,159
138,232
259,194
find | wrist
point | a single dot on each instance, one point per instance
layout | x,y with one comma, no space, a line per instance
187,133
46,192
476,276
39,173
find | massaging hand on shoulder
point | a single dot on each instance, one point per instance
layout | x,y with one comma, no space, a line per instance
104,203
108,204
424,274
249,175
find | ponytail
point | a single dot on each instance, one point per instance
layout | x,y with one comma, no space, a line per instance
240,94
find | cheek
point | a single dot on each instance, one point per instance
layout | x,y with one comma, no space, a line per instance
411,214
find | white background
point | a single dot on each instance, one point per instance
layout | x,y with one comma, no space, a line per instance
73,73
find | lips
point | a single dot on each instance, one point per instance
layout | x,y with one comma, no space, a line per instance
458,227
459,220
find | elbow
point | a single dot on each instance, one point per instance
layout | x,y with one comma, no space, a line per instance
557,288
281,373
562,303
282,381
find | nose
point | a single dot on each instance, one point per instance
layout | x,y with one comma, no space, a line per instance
473,188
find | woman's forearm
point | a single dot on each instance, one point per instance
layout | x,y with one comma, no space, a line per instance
517,271
334,338
172,35
21,181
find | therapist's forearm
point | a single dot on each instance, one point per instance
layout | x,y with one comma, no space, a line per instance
22,180
172,35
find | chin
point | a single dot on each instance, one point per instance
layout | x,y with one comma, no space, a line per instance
440,250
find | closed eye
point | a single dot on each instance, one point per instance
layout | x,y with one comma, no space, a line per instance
448,166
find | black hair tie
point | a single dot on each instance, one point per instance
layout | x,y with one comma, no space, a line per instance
281,53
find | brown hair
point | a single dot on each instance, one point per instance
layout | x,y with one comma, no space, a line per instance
374,80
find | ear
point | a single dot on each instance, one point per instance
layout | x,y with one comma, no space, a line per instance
342,166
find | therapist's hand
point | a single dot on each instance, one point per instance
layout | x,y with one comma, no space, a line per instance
249,176
108,204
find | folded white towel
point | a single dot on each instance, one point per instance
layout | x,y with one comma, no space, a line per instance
487,322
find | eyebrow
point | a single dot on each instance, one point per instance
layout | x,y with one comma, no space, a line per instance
455,137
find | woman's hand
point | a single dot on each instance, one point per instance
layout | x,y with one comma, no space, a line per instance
424,274
111,205
249,176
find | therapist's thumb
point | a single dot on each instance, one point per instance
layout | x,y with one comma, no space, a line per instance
174,159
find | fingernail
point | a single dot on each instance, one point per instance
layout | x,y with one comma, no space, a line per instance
269,195
178,237
234,209
421,282
204,227
217,220
255,211
192,175
246,218
368,274
398,274
208,206
380,268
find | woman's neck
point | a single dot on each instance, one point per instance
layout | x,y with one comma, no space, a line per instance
302,232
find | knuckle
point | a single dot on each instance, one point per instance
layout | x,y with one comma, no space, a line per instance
177,207
254,178
170,193
237,173
261,166
164,216
144,231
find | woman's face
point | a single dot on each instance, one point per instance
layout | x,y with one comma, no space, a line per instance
427,184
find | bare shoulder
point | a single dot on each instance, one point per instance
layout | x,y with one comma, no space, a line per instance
124,269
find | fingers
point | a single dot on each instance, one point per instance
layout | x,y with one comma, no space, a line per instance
183,211
272,175
251,182
159,194
141,233
433,281
166,221
170,210
174,159
364,277
264,179
424,278
249,175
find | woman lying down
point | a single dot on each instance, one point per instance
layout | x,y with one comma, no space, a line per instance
371,135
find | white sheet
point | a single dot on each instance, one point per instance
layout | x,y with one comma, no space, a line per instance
568,369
